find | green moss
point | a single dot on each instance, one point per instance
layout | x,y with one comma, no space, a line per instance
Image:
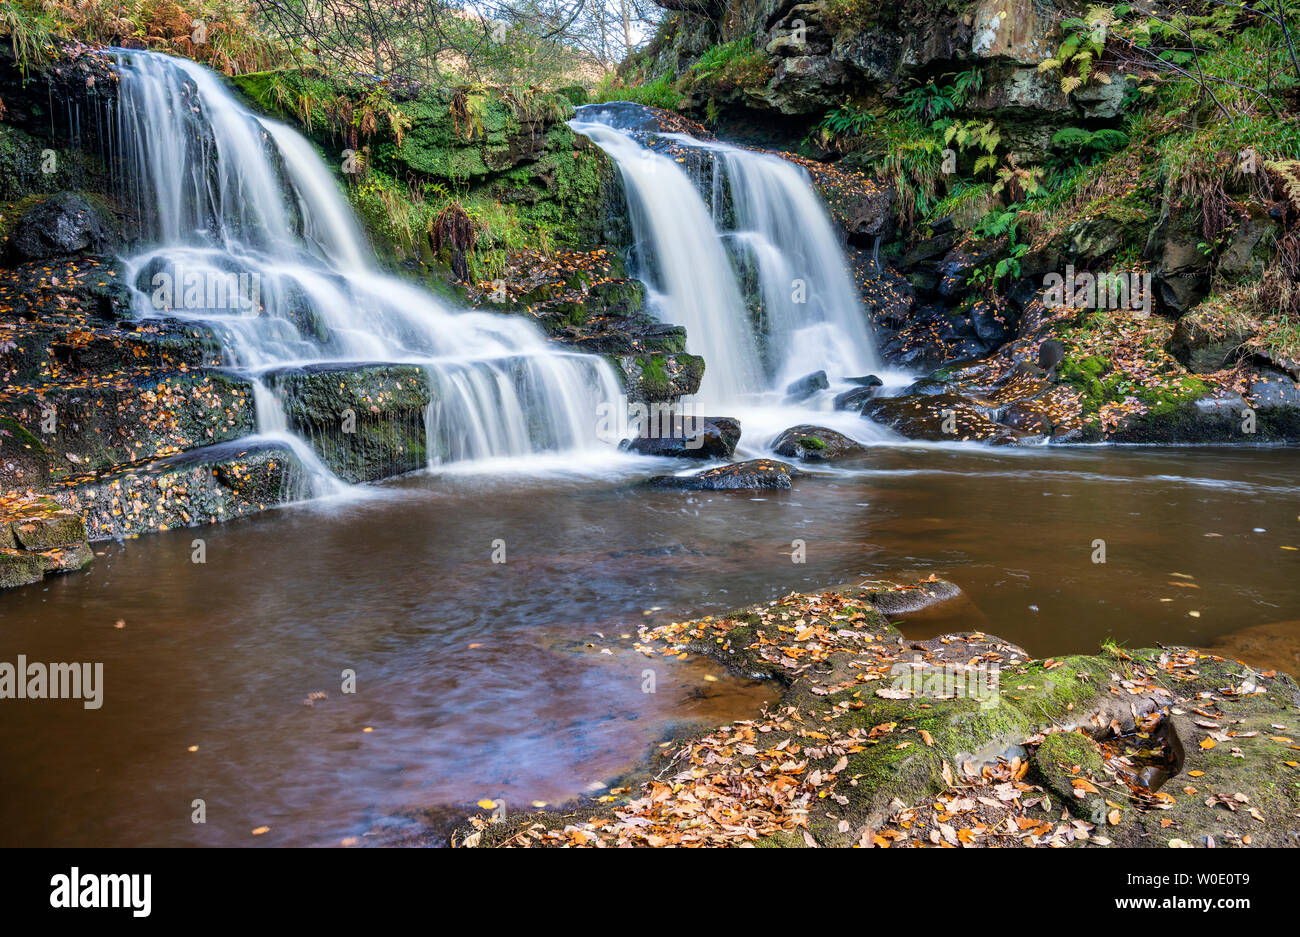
812,442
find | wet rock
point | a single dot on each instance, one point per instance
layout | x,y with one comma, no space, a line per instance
366,422
38,536
1024,416
926,387
687,437
815,444
743,476
120,419
62,225
807,386
994,322
867,380
854,399
201,486
660,377
944,417
902,598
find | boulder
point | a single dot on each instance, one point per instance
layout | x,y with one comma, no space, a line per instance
658,377
366,422
806,387
815,444
740,476
62,225
688,437
854,399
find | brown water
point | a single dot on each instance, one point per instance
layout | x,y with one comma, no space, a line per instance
488,680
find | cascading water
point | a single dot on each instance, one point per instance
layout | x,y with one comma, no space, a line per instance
812,313
685,264
246,231
762,215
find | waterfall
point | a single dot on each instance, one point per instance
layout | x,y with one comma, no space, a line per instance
246,231
686,265
762,218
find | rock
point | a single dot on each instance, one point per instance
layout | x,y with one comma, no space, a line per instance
1224,417
950,712
943,417
1247,252
20,569
904,598
127,419
1063,758
854,399
867,380
1181,268
740,476
994,322
203,486
815,444
366,422
1275,391
39,536
689,437
958,265
1017,30
1206,346
926,387
62,225
1024,416
1097,101
654,378
806,387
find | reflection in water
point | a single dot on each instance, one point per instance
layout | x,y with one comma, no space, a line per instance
491,680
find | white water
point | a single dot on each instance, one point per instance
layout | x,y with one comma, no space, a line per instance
225,193
691,279
811,316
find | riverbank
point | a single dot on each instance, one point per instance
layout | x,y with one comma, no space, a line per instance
958,741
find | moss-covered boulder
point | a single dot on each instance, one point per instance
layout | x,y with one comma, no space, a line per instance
39,536
365,422
809,443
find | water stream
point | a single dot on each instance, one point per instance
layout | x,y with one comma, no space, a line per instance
247,232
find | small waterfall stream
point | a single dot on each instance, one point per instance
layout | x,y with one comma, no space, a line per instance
246,231
748,216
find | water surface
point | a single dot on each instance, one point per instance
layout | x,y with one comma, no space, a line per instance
482,679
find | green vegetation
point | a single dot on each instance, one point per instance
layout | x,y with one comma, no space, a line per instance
659,92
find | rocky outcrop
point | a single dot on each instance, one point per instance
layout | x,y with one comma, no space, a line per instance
39,537
365,422
63,225
202,486
961,741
